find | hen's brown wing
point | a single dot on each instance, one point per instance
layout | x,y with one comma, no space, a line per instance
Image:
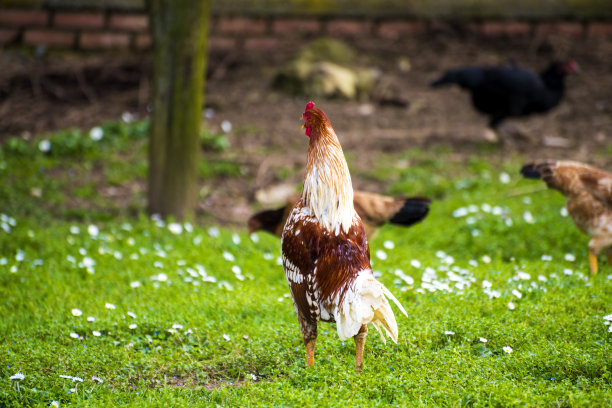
599,184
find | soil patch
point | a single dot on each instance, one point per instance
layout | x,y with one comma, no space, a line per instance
50,92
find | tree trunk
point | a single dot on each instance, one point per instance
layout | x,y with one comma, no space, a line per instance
179,31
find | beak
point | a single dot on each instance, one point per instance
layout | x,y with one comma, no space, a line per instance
303,125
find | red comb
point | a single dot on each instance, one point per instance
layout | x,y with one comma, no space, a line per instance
309,105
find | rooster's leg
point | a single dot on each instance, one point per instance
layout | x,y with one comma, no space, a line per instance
309,333
310,348
359,345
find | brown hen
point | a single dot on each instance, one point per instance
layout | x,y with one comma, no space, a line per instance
374,210
589,199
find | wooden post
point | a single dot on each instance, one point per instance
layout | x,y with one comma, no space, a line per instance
179,31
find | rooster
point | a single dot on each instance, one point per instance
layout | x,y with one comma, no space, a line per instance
373,209
589,200
325,251
503,92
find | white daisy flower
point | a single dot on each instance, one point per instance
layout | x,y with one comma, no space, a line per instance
133,326
110,306
74,335
483,340
96,134
135,284
226,126
528,217
511,306
96,333
486,259
131,314
17,377
44,145
226,337
415,263
97,379
449,333
93,230
128,117
460,212
570,257
517,293
236,239
91,319
177,326
213,232
504,178
507,349
88,262
76,312
228,256
380,254
175,228
563,212
389,244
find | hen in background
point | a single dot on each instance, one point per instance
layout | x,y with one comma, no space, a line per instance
589,201
325,252
504,92
374,210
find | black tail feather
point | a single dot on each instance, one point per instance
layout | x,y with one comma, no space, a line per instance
542,170
531,170
413,211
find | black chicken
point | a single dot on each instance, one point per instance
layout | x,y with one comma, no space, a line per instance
503,92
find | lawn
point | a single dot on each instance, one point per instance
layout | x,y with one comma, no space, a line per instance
103,306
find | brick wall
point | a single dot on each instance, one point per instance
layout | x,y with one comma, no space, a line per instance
117,28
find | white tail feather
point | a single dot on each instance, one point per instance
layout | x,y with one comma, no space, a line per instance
366,303
394,299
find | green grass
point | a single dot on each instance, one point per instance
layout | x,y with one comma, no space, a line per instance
210,334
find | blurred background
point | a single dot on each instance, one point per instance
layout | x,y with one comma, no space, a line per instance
75,64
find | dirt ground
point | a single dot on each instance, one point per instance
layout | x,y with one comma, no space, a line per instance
54,91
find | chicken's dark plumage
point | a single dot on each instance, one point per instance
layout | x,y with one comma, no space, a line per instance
503,92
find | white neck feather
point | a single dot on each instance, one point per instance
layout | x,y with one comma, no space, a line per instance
328,191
